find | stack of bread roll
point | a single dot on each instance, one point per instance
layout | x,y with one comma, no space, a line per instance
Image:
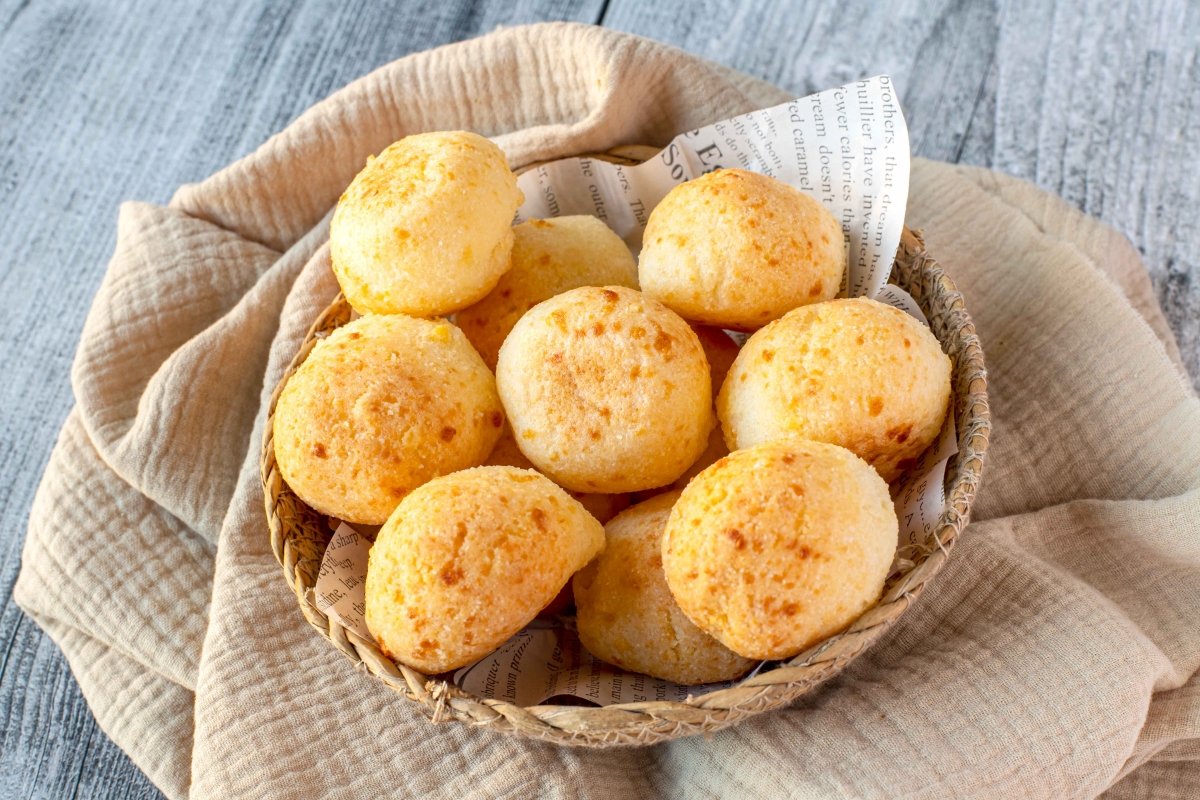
538,420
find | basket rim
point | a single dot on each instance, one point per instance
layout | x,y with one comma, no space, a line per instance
654,721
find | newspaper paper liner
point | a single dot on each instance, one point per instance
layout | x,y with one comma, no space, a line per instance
847,147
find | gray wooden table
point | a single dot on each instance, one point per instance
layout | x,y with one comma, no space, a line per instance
101,102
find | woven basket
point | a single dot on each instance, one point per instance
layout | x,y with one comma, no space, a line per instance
299,536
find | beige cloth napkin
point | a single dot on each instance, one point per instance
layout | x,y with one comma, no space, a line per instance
1055,657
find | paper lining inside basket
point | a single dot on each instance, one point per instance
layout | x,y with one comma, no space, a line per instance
848,148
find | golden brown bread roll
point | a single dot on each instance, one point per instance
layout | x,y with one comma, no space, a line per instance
626,614
714,451
855,373
738,249
607,390
426,227
720,350
506,453
601,506
379,407
469,559
549,256
780,545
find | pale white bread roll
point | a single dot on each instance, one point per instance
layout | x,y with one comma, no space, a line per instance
426,227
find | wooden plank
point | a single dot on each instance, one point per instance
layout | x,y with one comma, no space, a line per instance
50,742
101,103
1096,101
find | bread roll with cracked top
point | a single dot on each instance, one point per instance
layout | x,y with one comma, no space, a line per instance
469,559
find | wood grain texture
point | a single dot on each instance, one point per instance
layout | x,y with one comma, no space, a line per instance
102,102
1098,102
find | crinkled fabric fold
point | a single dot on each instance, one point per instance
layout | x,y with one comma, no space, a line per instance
1055,656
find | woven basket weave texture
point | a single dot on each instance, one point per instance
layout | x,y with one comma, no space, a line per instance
299,536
